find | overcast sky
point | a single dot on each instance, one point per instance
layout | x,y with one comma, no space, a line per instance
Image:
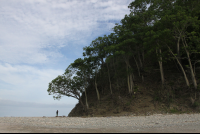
38,40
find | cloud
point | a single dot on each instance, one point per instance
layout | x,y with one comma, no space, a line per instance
21,74
33,31
40,38
27,83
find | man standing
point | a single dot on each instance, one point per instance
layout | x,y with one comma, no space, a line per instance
57,113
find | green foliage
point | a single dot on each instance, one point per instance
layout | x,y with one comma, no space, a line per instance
174,110
198,88
65,85
128,103
136,88
156,96
149,35
92,105
196,104
171,83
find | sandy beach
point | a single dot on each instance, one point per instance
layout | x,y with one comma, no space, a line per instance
172,123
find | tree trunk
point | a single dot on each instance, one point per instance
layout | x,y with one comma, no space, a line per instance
116,73
191,69
102,61
137,66
143,57
131,82
86,99
186,79
109,79
194,66
160,65
82,103
86,102
140,61
129,77
178,50
129,90
97,89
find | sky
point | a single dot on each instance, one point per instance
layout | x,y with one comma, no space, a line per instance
38,40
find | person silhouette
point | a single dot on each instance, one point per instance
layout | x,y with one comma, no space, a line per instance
57,113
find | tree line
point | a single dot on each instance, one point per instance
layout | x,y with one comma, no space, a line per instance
155,32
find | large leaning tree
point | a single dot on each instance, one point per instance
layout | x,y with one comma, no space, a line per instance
68,84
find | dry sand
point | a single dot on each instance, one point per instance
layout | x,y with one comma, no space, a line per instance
151,124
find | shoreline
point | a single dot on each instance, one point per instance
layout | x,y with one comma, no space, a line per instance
189,113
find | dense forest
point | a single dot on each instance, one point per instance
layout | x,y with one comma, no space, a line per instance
159,41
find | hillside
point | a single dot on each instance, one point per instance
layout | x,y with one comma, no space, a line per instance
149,99
149,63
